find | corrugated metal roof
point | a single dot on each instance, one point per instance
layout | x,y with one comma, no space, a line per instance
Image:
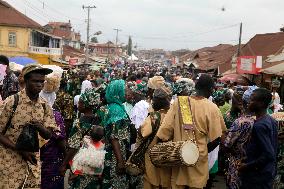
9,16
264,45
276,58
274,70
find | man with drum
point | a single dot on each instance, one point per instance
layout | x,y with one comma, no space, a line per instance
194,119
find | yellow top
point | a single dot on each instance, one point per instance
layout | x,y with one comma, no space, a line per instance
209,125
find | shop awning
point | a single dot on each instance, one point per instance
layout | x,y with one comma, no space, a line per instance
22,60
274,70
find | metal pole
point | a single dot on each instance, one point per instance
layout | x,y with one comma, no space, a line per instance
88,32
240,39
108,52
116,40
61,51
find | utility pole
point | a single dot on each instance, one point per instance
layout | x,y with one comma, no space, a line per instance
240,39
88,31
116,39
108,51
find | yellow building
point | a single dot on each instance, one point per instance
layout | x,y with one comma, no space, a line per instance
21,36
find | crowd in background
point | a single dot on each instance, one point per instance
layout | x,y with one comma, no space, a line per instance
101,125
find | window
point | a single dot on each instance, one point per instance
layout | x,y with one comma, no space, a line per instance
12,39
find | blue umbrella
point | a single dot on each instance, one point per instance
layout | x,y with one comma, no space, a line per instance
22,60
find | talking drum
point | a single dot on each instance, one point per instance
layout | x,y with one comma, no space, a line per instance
170,154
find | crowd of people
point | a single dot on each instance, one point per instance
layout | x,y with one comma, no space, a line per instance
136,126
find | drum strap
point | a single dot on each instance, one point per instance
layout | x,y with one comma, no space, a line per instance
187,119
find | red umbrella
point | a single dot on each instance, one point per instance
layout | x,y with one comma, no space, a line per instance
239,79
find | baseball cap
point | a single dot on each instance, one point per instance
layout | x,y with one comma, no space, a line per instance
35,68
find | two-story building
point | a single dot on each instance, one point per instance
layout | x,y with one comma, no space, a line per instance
22,36
108,49
64,30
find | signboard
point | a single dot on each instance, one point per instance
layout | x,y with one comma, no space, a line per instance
175,60
249,64
73,61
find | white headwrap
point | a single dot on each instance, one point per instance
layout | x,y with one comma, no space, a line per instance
49,97
86,85
139,113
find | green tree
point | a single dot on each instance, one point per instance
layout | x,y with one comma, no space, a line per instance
94,40
129,46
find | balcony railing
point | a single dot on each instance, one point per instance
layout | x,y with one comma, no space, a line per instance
45,50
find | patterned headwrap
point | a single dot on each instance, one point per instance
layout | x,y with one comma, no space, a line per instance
183,87
115,96
163,92
140,88
276,83
219,84
248,93
239,92
101,88
156,82
218,95
90,98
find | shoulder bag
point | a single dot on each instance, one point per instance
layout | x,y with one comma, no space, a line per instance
15,105
135,165
28,140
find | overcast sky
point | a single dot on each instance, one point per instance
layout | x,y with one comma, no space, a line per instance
168,24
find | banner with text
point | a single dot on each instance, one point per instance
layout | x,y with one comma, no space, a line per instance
249,64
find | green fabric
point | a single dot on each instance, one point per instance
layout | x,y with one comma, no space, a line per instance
84,125
214,169
183,88
229,118
128,107
115,97
120,131
80,128
91,98
225,108
102,113
269,111
140,88
85,182
101,88
100,81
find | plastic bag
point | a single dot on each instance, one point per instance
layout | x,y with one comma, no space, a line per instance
90,158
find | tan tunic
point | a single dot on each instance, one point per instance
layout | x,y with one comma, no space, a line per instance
13,168
155,176
209,126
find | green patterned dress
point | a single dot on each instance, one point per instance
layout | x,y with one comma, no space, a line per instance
119,130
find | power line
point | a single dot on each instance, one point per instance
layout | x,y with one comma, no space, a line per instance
35,12
38,10
213,30
58,12
171,37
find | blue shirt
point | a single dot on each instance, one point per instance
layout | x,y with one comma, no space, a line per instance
261,151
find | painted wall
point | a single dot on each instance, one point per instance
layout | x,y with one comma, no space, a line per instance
22,45
44,59
22,41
